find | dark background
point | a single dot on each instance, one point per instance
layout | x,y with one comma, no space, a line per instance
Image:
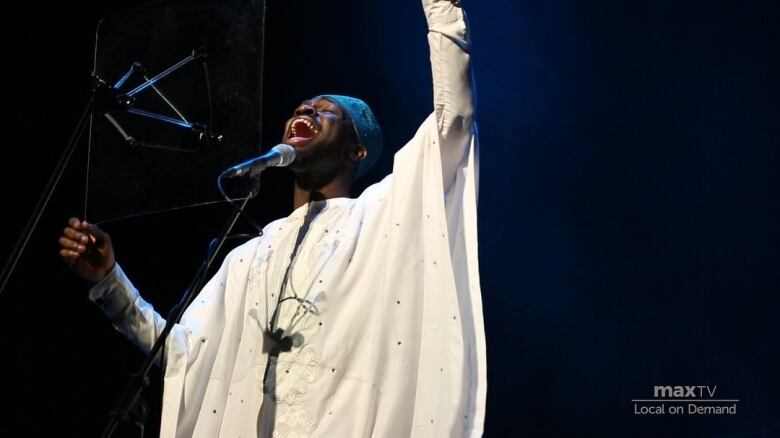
629,215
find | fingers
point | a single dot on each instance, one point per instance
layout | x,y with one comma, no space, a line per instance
78,224
72,245
84,232
69,256
73,242
75,235
96,235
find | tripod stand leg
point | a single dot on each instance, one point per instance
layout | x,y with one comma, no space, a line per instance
43,201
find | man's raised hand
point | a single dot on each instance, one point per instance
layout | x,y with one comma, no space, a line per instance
87,250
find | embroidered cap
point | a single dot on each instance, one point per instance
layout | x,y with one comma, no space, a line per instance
366,128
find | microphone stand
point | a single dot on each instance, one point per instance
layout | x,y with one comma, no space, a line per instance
127,401
43,201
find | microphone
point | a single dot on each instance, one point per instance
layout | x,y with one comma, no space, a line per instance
280,155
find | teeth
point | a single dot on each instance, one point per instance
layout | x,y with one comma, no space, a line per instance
309,124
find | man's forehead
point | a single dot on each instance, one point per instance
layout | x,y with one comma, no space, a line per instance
315,100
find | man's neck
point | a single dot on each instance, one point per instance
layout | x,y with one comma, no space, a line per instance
303,192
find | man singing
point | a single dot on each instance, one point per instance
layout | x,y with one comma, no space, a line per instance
349,317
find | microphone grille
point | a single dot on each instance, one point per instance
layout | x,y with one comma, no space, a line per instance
286,154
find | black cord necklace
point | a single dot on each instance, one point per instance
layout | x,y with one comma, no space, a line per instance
279,338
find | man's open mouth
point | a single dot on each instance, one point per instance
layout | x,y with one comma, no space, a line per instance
301,130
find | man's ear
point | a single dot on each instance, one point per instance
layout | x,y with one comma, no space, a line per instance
358,153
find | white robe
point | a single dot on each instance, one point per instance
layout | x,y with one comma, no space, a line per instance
390,339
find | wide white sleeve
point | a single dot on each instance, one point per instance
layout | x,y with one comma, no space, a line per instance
131,315
137,319
453,91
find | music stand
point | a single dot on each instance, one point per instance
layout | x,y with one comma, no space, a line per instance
185,81
177,97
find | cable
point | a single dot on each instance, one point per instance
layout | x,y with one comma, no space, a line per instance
229,200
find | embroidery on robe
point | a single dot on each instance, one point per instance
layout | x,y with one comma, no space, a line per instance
295,423
294,379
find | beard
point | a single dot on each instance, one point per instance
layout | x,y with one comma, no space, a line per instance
318,164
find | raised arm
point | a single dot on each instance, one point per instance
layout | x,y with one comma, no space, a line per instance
453,94
88,251
128,311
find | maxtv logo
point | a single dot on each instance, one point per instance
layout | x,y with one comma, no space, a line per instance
683,391
685,400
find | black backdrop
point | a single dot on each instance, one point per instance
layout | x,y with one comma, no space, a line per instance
628,207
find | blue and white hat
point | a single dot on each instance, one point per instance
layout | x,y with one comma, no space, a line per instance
366,128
